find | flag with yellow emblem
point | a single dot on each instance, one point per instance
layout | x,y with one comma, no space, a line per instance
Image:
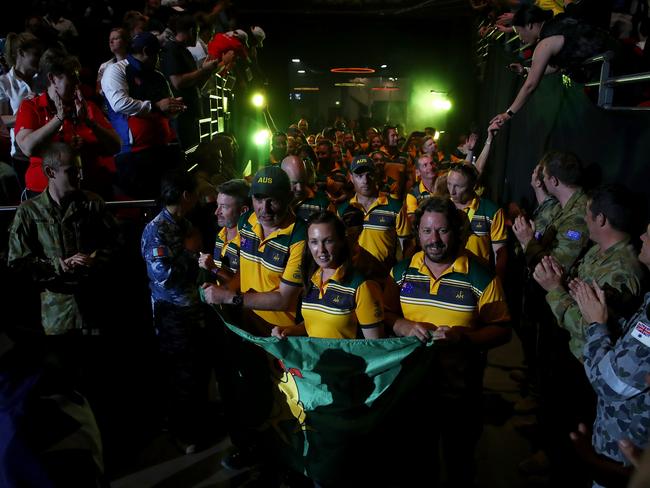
333,400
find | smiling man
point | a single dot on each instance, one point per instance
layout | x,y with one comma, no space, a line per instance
445,293
270,277
271,247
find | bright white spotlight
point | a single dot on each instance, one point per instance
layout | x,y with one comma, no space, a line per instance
441,104
258,100
261,137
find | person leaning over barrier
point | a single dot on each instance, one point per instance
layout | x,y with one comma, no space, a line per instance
561,43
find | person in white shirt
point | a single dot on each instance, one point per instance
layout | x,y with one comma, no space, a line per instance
22,52
118,43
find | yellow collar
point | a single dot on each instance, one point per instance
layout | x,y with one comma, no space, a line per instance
423,188
382,199
257,228
460,265
317,276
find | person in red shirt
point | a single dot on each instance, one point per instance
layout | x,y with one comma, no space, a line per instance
62,114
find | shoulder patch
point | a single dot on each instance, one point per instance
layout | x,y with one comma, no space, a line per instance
394,204
641,333
487,207
341,208
399,270
160,252
479,275
573,235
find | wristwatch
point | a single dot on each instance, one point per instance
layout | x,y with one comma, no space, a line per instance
238,300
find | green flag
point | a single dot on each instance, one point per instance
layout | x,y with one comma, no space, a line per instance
336,400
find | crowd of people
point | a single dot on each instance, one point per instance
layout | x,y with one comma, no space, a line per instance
340,235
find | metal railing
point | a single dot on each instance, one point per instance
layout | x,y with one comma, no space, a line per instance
112,205
607,83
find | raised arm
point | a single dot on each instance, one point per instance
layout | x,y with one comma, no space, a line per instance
544,51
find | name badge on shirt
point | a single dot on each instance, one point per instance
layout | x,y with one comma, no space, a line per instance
641,333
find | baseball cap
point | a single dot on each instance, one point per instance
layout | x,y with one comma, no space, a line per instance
239,34
259,34
362,162
145,40
273,182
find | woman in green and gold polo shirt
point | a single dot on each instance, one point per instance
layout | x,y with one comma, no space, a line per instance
338,300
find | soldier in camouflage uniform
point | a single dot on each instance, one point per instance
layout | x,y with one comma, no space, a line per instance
617,369
564,392
564,234
611,263
529,293
64,238
547,205
170,248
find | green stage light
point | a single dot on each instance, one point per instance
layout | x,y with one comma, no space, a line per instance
258,100
421,95
441,104
261,137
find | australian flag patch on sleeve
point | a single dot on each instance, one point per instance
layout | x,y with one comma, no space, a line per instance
160,252
574,235
641,333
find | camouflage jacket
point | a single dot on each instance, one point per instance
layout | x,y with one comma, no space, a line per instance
172,269
617,271
617,371
42,234
544,214
565,236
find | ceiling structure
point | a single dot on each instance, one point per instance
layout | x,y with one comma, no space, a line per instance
412,45
432,9
326,34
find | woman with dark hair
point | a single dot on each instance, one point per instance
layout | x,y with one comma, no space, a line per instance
338,301
561,43
61,114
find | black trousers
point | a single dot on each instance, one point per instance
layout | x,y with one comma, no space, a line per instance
185,365
566,399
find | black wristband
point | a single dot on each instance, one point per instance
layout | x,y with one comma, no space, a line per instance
238,300
510,113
